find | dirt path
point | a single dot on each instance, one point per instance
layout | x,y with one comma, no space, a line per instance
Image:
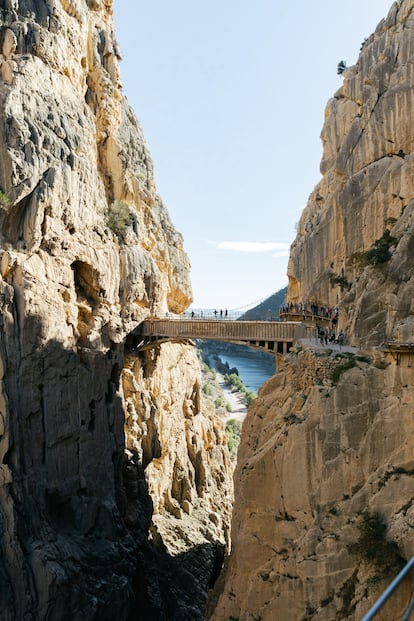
236,400
316,344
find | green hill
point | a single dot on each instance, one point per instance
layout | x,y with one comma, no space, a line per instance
268,309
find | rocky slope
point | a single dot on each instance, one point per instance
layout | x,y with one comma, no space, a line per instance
324,485
115,486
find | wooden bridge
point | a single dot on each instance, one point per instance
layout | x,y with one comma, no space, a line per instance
271,336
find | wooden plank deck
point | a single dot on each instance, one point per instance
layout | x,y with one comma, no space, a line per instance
221,329
274,336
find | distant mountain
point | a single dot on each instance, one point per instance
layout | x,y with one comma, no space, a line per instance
268,309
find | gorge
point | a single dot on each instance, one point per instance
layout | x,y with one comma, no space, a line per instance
116,487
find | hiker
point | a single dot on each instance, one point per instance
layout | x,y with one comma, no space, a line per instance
321,334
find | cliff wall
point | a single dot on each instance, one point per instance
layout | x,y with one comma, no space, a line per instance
366,189
112,471
324,492
317,455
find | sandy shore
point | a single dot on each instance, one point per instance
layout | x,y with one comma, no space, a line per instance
236,400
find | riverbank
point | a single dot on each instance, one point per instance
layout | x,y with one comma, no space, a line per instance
235,399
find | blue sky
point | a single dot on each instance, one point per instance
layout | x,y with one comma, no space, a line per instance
231,97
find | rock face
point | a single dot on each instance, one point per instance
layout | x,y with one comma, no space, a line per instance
315,457
367,188
115,486
324,485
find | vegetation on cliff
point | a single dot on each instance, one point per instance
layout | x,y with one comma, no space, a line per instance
373,547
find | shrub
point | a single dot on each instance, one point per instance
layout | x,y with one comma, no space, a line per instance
234,381
380,253
373,547
233,432
347,594
341,368
338,280
358,260
207,390
119,218
4,200
249,397
341,67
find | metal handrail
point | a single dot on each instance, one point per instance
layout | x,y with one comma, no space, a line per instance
389,590
409,610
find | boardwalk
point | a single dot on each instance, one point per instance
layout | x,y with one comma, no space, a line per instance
271,336
401,350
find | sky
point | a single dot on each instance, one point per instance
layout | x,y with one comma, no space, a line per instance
231,97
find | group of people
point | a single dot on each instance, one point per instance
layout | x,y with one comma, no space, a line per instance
221,313
330,312
325,336
216,313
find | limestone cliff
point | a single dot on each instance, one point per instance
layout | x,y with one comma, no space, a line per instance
97,520
366,190
327,450
315,456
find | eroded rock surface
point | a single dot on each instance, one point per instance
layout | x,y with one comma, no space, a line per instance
328,443
366,189
315,456
97,520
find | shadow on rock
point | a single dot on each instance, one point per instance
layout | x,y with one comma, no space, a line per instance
74,511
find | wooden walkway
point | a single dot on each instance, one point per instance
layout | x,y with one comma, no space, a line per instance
304,316
271,336
401,350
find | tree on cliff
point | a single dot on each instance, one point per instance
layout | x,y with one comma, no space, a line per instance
341,67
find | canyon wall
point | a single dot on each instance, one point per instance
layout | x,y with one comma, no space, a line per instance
324,485
366,190
115,485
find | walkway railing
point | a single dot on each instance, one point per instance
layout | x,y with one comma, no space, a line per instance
389,591
400,350
309,315
224,315
305,315
272,336
225,329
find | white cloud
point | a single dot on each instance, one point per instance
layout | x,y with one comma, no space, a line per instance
283,253
282,249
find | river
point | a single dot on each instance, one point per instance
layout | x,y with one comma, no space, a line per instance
253,368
